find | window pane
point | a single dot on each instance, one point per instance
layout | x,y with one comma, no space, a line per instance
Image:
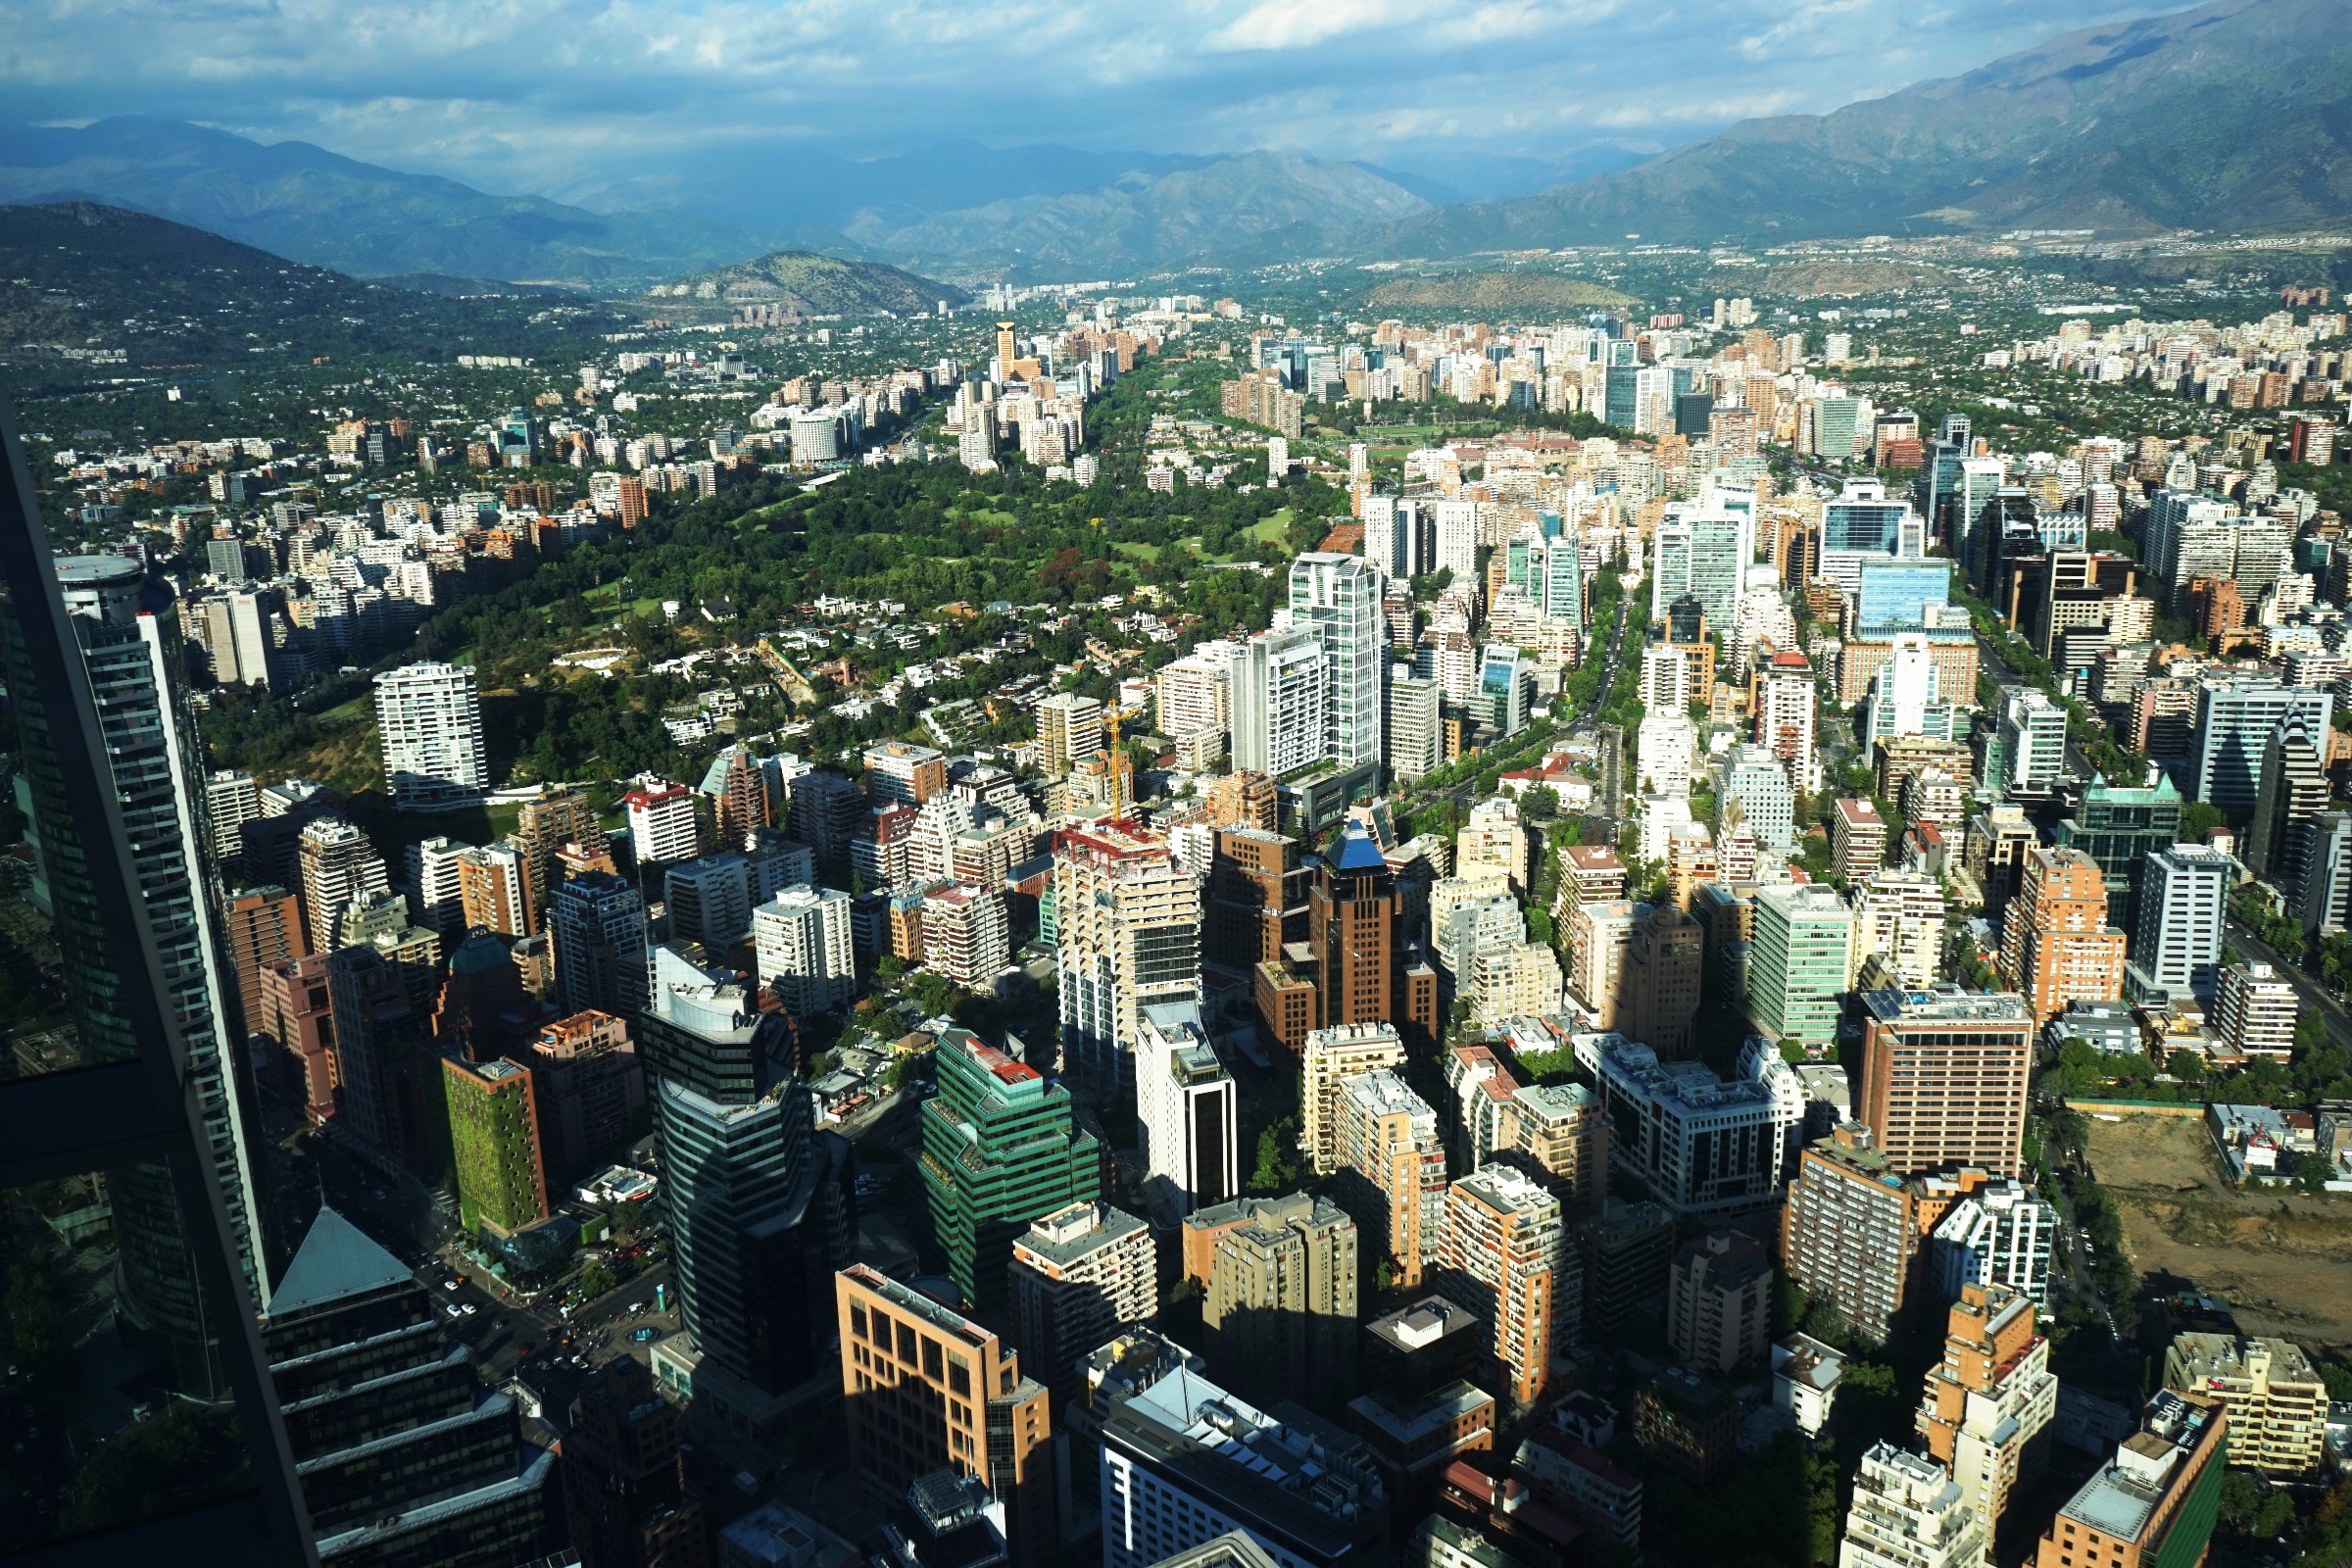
96,1387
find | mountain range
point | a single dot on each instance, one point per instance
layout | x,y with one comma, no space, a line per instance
2233,116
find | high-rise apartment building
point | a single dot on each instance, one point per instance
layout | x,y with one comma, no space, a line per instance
296,1014
1392,1166
2056,945
597,925
1188,1108
1496,839
1907,1513
388,1078
1330,1058
2183,899
1999,1233
1069,729
1281,685
494,890
429,716
1944,1079
231,800
544,826
1702,1145
2155,1503
339,865
1127,924
1784,704
589,1084
737,785
435,891
2277,1401
927,1390
903,774
2255,1009
264,925
1080,1276
1719,1301
1989,1402
1506,1255
661,825
1851,1230
968,934
1280,1286
1899,921
1415,732
1857,839
1256,901
806,950
1000,1150
1338,597
1800,960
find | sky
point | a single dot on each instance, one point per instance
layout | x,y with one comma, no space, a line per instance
568,97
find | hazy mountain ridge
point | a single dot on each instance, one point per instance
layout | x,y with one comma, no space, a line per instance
2234,116
812,285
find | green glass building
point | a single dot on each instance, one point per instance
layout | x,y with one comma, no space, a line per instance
1001,1150
1798,963
494,1143
2120,827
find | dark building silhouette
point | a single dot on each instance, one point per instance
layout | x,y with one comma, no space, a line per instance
624,1485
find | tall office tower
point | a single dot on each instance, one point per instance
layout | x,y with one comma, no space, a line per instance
2120,827
738,789
2324,897
1944,1079
902,773
435,891
429,716
262,925
1392,1168
1188,1108
1244,799
1719,1301
625,1495
1306,1490
231,800
1907,1513
806,950
597,924
1998,1233
2057,944
2291,790
494,1145
1330,1058
1280,1289
1506,1256
661,825
1851,1230
338,866
1701,1144
1356,927
1415,734
494,892
405,1457
133,662
1257,898
1338,597
2183,899
1989,1404
545,825
2236,719
1281,685
2254,1011
2276,1399
589,1084
928,1390
1899,921
1069,728
1663,961
1127,924
2156,1503
1800,960
1784,702
384,1064
1001,1150
1702,552
1495,837
1081,1277
757,1212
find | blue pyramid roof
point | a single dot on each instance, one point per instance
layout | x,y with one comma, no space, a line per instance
335,1260
1357,853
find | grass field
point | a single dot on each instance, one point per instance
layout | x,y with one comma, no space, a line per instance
2285,1264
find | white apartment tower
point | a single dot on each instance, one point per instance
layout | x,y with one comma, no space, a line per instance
1339,598
431,718
1189,1109
805,951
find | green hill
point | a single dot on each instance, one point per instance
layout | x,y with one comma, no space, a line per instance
811,285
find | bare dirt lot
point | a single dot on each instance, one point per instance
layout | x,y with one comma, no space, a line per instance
2284,1264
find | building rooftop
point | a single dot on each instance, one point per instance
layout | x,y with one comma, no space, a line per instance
2225,1356
1948,1004
1424,1323
2123,1497
1406,1423
917,1304
1079,1231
